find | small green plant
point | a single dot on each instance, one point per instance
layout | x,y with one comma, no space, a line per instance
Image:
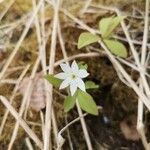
72,79
106,27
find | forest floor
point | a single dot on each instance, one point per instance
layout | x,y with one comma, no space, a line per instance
115,127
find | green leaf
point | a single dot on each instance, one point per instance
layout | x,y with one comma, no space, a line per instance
91,85
87,38
69,103
82,65
116,48
53,80
104,25
107,25
87,103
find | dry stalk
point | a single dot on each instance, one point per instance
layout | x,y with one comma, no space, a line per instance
40,31
136,57
8,81
62,45
12,97
28,143
24,103
48,116
6,9
140,124
12,55
83,123
81,55
86,5
21,122
84,127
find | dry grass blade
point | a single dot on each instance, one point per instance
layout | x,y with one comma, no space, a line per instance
47,127
12,97
136,56
81,55
29,145
28,25
25,102
84,127
140,124
21,122
40,31
6,9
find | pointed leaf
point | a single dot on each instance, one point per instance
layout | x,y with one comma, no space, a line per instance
107,25
87,38
82,65
87,103
116,48
69,103
104,25
91,85
53,80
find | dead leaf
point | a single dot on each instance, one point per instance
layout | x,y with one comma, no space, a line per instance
37,100
128,128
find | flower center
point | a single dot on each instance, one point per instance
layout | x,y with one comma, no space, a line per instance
73,76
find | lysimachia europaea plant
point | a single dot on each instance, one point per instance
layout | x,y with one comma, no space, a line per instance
106,28
72,79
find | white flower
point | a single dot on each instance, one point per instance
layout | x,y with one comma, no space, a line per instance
72,77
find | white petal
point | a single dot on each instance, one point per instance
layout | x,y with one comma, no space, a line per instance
61,75
73,88
65,67
80,84
65,83
74,67
82,73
